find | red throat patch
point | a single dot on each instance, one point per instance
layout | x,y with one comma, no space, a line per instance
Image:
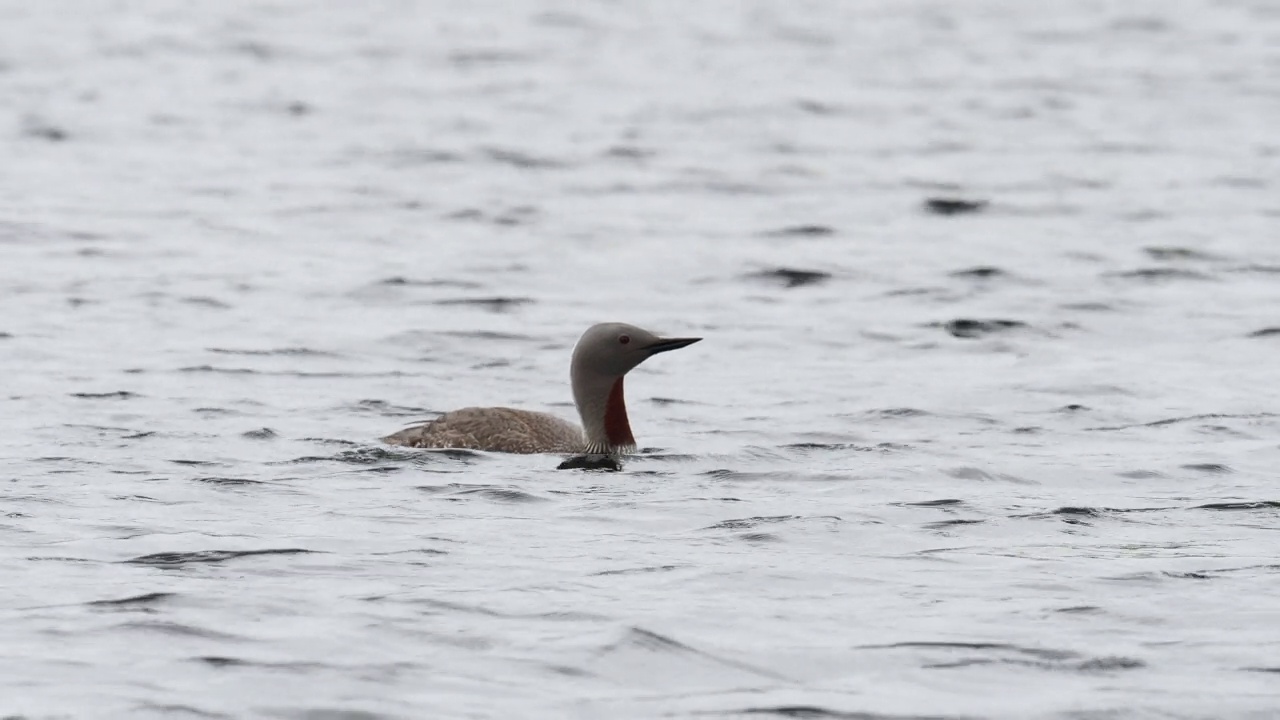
616,427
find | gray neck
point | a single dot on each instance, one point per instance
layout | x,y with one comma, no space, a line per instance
591,395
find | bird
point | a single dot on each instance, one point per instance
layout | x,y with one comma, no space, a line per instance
605,353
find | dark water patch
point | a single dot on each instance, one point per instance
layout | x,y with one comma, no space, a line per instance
1080,512
786,476
138,435
286,352
1077,512
953,205
1170,253
217,411
969,328
332,441
466,214
1160,274
1108,664
1006,654
1259,269
664,401
651,642
58,558
791,277
1072,408
6,336
638,570
450,453
1189,418
1245,505
1275,669
47,132
751,522
1210,468
386,409
944,524
519,215
218,661
122,432
208,302
1042,653
178,629
1079,609
1089,306
212,369
607,463
816,712
832,447
145,600
197,463
1224,430
377,455
264,433
147,498
174,710
492,304
116,395
817,107
940,292
401,281
446,606
630,152
331,714
943,502
522,160
895,413
223,661
760,537
229,481
981,272
414,551
727,474
499,494
179,559
1188,575
1265,332
801,231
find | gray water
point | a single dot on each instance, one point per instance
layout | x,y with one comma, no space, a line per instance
1012,463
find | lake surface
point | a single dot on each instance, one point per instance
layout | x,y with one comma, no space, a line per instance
1009,454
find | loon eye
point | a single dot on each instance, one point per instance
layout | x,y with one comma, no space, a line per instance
624,339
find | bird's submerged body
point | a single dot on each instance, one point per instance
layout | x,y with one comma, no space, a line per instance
601,359
499,429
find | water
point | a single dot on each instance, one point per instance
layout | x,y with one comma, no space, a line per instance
1013,463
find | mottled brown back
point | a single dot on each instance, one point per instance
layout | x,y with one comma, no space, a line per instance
497,429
